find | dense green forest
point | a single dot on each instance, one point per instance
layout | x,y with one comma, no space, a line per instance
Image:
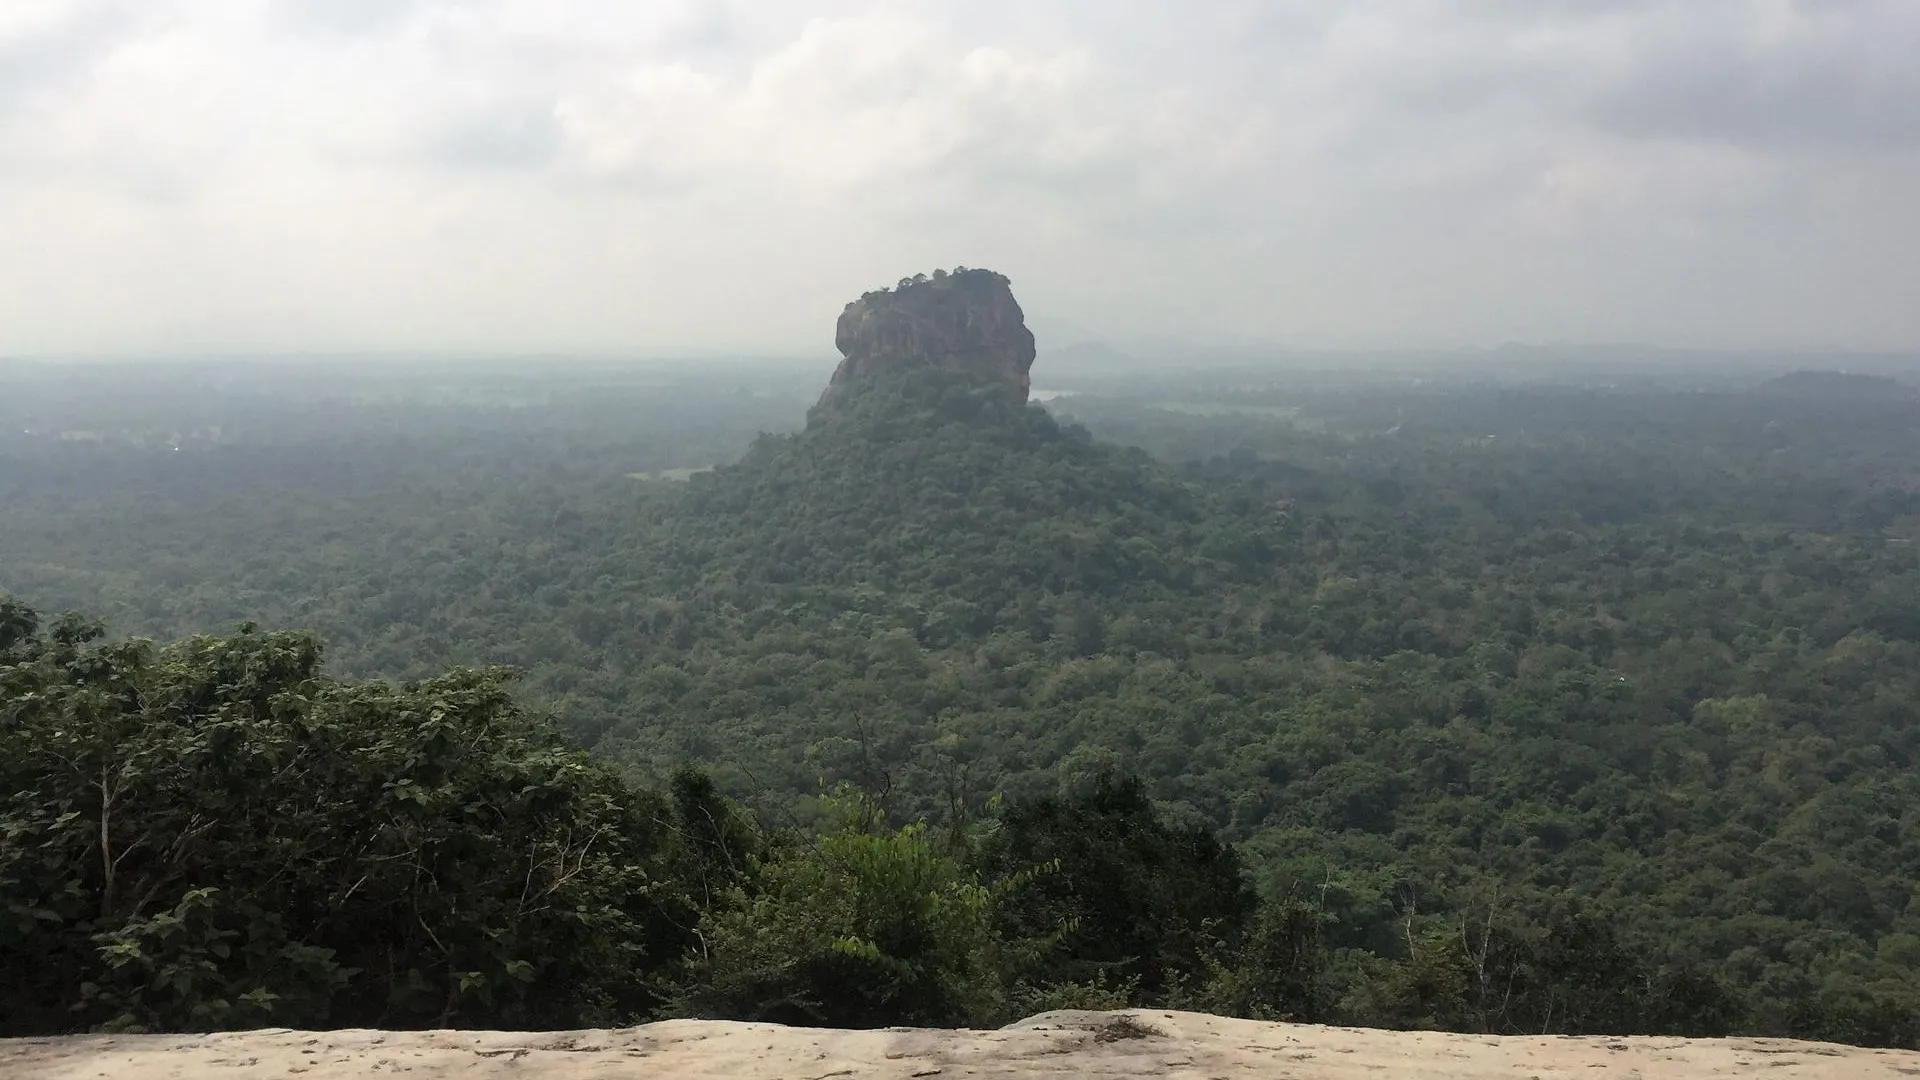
1465,700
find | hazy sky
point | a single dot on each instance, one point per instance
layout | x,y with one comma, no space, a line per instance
658,176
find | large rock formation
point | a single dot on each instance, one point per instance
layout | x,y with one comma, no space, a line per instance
965,321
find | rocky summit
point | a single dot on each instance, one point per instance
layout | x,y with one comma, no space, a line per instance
966,321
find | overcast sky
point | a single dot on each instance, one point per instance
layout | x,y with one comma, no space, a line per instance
662,176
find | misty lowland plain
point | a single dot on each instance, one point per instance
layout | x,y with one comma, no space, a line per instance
1512,692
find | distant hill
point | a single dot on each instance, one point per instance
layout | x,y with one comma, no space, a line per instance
936,482
1839,387
786,604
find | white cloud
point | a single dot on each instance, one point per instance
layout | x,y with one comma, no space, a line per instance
590,175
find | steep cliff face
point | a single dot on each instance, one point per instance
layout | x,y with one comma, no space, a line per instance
964,321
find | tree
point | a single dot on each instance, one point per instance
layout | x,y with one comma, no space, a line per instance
1142,900
214,834
862,927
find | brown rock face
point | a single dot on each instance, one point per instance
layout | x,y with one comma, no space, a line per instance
966,321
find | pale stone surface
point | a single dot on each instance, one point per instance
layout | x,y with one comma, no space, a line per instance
1136,1043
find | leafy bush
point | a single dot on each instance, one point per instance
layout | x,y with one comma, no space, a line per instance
213,834
862,927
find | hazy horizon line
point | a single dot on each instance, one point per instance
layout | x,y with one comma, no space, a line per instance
1142,351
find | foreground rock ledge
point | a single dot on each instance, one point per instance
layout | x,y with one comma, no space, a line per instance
1135,1043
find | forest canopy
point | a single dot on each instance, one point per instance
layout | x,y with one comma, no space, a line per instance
1476,703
